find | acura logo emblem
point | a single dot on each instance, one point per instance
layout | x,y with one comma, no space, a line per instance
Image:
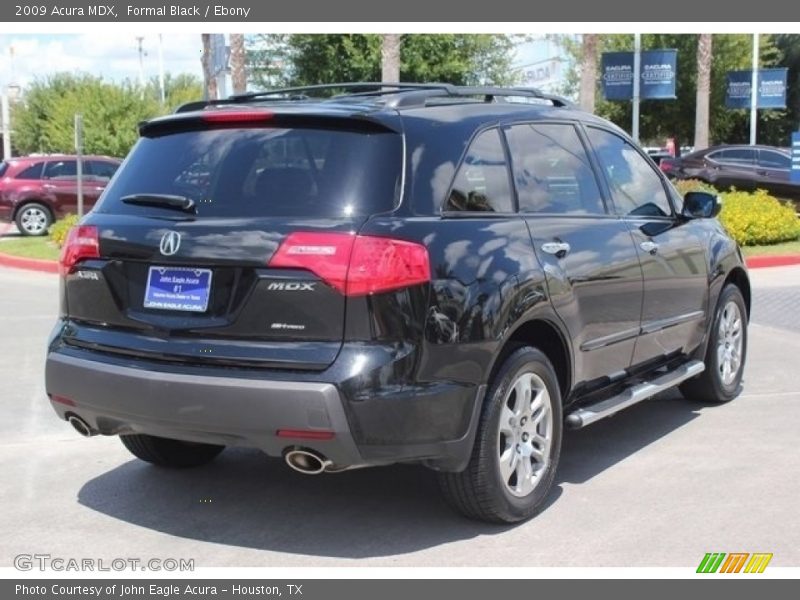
170,243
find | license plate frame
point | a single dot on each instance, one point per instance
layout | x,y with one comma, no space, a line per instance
190,289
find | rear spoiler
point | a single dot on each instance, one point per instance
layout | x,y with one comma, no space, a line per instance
257,117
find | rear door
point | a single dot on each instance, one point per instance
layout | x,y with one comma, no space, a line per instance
591,265
732,167
197,285
670,250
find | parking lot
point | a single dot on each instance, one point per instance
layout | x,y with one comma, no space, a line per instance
660,484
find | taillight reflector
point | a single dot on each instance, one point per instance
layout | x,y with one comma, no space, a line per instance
306,434
82,242
356,265
62,400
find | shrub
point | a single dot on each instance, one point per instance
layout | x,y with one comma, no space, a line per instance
758,218
60,229
693,185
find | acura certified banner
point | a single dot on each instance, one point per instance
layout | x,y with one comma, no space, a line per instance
657,75
771,89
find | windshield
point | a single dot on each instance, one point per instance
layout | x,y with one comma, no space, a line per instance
263,172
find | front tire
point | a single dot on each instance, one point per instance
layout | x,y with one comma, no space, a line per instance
34,219
165,452
726,352
517,446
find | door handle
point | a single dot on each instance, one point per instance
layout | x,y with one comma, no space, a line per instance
48,186
558,249
649,246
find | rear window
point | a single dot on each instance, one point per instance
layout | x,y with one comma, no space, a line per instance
3,168
264,172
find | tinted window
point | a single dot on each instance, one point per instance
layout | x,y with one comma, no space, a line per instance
774,160
264,172
102,169
736,156
552,171
61,169
482,183
3,168
32,172
635,186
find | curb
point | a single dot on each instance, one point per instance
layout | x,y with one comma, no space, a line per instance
778,260
30,264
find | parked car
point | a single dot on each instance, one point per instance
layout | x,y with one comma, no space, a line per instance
37,190
417,274
746,168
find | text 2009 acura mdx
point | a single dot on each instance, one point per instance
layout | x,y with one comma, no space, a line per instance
428,274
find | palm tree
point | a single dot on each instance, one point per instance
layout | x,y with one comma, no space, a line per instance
704,58
588,71
238,71
390,58
208,68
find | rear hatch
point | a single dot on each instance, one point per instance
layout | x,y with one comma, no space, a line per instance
225,238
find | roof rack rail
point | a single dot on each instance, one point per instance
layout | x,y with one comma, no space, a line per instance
395,95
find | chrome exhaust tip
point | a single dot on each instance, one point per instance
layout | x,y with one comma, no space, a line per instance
81,426
307,462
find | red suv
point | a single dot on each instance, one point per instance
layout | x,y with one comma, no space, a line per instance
37,190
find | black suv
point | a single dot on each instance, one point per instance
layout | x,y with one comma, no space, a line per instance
419,273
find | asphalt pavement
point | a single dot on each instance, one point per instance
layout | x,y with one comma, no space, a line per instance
660,484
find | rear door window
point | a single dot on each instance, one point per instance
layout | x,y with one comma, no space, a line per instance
552,171
61,169
482,182
264,172
734,156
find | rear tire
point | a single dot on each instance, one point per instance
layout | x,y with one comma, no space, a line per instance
165,452
517,446
34,219
726,352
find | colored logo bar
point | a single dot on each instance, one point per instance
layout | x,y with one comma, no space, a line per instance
734,562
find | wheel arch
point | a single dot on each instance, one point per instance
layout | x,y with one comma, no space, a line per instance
33,200
544,334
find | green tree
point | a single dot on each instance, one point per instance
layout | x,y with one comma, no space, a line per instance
44,120
305,59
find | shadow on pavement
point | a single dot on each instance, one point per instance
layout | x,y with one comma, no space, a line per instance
245,499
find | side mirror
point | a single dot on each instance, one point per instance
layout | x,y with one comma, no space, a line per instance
701,205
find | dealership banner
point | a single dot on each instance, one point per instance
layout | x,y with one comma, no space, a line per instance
771,89
658,72
795,173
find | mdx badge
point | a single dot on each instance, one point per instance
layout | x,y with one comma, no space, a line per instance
290,287
170,242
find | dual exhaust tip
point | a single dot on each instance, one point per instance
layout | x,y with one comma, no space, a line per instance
81,426
308,462
302,460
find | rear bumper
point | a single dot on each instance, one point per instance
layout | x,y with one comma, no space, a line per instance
373,423
116,399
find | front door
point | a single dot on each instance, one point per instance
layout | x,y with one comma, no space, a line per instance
671,250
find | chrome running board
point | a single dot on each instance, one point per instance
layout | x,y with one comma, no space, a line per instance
594,412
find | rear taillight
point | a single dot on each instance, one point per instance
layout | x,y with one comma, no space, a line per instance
82,242
665,165
237,116
356,265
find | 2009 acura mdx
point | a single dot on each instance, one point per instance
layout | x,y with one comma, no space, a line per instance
419,273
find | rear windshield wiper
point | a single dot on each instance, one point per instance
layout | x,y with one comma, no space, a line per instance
162,201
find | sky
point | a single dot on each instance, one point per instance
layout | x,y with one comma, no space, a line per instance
115,56
110,55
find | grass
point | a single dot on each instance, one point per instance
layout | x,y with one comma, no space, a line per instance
782,248
29,247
